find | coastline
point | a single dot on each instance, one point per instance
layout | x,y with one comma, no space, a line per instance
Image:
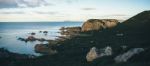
76,46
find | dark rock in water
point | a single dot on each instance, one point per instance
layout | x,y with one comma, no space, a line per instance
62,28
40,31
31,38
33,33
97,24
41,39
22,39
44,49
0,37
45,31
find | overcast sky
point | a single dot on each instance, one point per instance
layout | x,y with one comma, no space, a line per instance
69,10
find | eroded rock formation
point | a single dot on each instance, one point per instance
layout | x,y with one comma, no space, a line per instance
97,24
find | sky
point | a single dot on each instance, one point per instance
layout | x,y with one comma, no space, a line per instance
69,10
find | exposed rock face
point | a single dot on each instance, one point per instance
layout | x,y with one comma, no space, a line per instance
97,24
95,53
45,49
125,56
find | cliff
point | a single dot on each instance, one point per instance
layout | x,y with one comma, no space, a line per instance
97,24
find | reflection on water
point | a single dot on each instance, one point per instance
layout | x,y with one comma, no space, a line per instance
10,32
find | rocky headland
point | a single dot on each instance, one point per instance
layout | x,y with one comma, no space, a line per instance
98,42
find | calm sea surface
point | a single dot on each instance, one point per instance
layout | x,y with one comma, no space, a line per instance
10,32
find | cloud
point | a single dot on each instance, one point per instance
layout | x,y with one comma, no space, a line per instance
31,3
51,13
70,1
87,9
23,3
114,15
8,4
19,12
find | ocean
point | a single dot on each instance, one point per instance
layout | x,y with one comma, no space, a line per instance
11,31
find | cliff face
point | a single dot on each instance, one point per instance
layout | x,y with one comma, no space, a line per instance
97,24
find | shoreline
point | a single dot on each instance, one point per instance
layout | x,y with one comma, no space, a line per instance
98,42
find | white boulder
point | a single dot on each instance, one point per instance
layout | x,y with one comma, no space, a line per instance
125,56
95,53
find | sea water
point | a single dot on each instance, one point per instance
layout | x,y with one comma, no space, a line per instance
11,31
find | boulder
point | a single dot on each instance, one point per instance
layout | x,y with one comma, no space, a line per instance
44,49
106,51
97,24
125,56
95,53
92,54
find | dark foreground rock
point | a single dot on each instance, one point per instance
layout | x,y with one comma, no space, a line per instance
44,49
10,59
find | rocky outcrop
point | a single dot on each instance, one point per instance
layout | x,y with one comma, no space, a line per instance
95,53
44,49
70,30
97,24
125,56
92,54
